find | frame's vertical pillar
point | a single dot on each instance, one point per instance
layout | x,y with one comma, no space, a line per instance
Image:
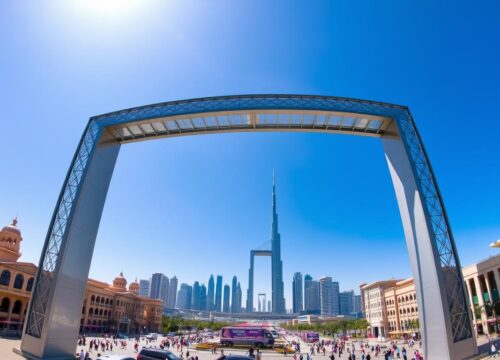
430,275
52,334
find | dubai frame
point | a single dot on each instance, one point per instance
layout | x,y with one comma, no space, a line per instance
53,320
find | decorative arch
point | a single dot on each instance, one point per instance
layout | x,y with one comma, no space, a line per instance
29,285
5,305
5,278
16,309
445,321
19,281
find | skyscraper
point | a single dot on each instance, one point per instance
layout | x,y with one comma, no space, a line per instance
346,302
329,296
211,294
357,305
195,296
159,287
311,295
278,293
234,300
297,293
336,298
184,297
203,297
172,293
144,287
164,290
218,294
227,295
238,297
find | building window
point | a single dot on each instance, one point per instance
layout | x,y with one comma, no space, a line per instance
17,307
5,305
29,285
5,278
19,281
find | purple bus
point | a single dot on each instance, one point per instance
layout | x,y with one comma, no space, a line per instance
249,336
310,336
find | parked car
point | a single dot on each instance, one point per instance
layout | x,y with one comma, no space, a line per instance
115,357
156,354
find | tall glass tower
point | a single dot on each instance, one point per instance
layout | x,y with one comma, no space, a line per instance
278,296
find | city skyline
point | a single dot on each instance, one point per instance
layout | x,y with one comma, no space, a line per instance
169,184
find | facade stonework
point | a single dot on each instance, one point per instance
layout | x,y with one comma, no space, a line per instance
106,308
398,314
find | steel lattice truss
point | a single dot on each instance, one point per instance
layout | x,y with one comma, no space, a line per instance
256,113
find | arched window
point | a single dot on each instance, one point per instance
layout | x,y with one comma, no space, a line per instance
17,307
107,301
111,302
100,312
19,281
5,278
102,300
5,305
29,285
98,300
91,311
92,298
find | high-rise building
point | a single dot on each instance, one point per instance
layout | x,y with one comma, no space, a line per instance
278,292
238,298
297,293
234,300
203,297
227,295
346,302
211,294
172,293
184,297
144,287
164,290
218,294
195,297
311,296
159,287
357,305
269,309
329,296
336,298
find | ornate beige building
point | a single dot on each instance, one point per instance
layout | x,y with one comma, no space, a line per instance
106,308
399,312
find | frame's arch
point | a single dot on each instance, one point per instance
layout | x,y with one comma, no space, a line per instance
52,326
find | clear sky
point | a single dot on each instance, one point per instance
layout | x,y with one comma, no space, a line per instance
192,206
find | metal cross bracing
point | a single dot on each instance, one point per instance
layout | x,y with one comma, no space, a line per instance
57,230
256,113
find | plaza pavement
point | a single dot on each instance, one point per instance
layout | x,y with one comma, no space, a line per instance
6,353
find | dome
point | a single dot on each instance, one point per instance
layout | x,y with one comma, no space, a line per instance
134,287
12,228
120,282
10,242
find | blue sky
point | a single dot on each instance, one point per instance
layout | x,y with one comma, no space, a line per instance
192,206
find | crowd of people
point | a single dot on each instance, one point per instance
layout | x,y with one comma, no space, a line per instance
339,348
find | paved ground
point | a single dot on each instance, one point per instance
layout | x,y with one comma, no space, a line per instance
7,354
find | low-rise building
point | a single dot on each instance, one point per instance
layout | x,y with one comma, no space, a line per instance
374,306
106,308
482,281
400,309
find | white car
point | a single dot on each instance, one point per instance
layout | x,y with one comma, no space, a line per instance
115,357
